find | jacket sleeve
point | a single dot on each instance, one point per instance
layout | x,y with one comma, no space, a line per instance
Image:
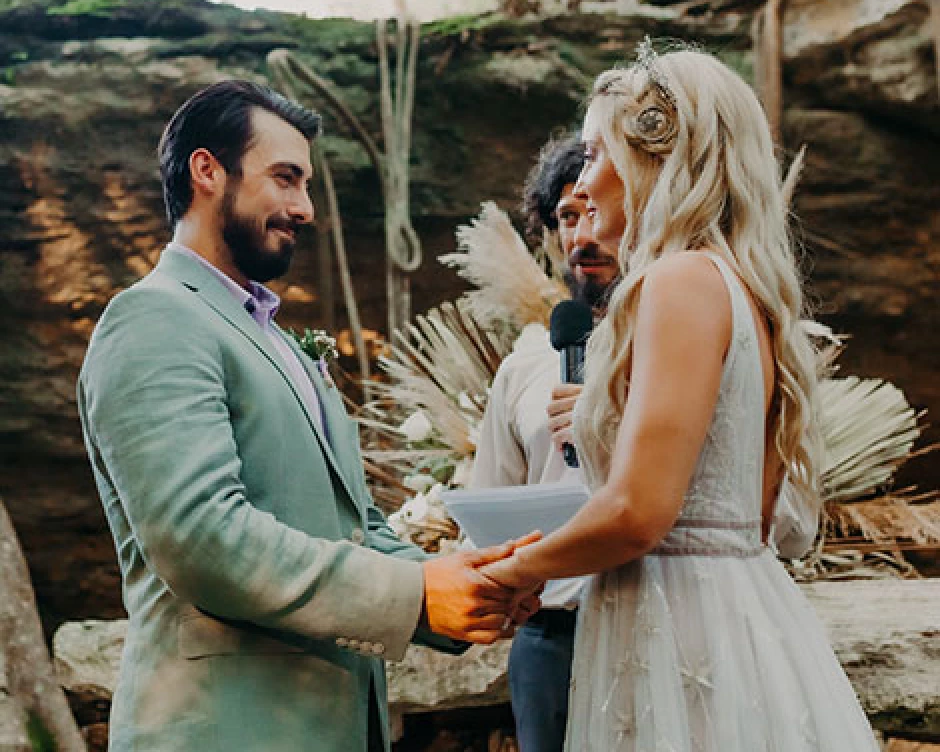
157,425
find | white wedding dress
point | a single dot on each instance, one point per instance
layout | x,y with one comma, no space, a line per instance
705,644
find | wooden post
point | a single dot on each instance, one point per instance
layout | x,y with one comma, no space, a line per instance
768,64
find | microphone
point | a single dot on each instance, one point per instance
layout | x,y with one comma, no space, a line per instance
570,324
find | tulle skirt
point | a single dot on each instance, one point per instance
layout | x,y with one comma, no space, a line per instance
707,654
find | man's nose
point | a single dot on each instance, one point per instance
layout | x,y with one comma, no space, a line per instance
579,192
583,232
301,210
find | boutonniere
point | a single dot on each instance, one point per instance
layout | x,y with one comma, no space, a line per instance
320,347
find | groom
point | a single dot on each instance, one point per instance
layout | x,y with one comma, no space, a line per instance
263,586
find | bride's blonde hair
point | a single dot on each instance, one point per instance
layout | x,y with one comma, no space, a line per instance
691,144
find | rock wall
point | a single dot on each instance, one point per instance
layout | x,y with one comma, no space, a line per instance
83,99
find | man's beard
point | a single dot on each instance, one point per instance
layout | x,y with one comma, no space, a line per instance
587,290
245,238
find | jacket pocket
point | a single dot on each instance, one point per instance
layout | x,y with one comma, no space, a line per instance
199,636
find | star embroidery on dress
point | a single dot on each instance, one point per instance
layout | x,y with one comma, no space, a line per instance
698,678
610,694
625,730
808,731
664,745
701,571
638,663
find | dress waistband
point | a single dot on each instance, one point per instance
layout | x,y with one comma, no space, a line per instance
737,552
686,539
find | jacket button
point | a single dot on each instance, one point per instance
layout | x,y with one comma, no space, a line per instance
353,644
342,642
357,536
378,648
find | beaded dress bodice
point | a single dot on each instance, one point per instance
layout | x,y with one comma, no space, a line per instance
722,507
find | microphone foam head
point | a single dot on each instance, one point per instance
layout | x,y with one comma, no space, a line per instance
570,324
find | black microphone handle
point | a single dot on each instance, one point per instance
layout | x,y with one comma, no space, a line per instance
570,454
572,372
572,364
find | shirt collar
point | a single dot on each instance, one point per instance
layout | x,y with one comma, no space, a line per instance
260,302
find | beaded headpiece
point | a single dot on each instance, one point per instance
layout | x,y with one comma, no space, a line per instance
655,125
646,57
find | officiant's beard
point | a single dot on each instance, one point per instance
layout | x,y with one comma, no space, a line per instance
257,251
589,290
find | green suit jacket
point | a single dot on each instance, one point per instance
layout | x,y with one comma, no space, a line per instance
260,602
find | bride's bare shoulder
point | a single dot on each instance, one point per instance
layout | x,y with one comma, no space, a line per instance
689,281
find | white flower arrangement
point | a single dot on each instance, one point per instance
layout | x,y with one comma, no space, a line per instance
416,428
423,520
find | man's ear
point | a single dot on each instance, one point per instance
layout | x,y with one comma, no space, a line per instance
206,174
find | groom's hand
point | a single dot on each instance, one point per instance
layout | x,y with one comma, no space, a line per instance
461,603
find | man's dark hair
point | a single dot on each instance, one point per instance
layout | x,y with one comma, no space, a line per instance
559,164
218,118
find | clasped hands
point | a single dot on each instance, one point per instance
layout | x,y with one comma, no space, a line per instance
474,595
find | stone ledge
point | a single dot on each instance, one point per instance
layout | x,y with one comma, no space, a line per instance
886,634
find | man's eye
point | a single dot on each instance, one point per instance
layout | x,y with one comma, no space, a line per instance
568,218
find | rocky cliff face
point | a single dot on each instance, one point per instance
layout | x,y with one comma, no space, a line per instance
84,96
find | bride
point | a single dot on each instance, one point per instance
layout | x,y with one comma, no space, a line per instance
699,402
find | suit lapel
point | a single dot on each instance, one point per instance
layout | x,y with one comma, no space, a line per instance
334,414
201,281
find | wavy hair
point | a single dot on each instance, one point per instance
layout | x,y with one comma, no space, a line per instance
691,144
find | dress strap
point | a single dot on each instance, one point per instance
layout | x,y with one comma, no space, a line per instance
740,309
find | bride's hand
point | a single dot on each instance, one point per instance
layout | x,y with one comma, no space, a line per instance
508,572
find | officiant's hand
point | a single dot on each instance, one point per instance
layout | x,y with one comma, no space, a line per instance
560,411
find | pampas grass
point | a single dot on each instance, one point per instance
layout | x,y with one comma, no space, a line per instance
512,287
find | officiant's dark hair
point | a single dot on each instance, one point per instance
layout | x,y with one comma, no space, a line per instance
218,118
558,165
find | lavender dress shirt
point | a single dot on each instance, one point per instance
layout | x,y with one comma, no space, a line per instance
263,304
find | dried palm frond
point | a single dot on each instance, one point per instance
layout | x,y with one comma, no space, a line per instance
512,287
441,366
829,346
792,177
850,564
869,429
887,520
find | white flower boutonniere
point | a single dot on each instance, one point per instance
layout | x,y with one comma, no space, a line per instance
320,347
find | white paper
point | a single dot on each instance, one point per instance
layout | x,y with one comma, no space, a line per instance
490,516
